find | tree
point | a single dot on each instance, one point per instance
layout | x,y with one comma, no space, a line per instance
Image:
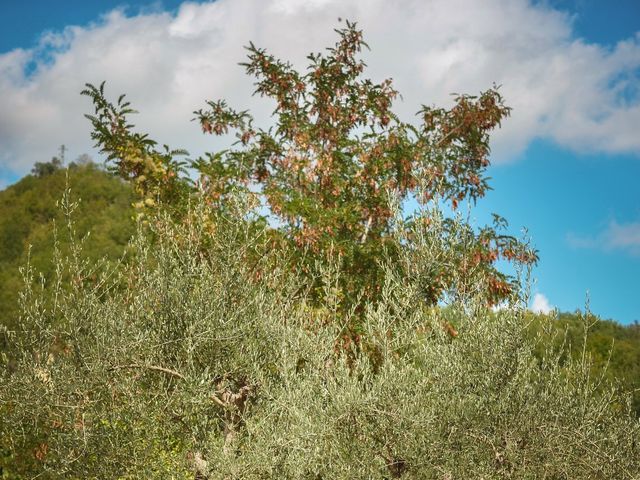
42,169
331,166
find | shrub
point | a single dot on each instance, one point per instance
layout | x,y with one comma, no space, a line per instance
185,361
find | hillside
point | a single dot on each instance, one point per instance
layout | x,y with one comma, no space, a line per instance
29,208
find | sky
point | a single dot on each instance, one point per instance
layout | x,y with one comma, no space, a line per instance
565,165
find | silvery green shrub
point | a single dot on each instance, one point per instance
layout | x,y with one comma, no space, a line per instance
192,359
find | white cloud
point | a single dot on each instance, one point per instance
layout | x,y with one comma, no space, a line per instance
621,237
581,95
541,304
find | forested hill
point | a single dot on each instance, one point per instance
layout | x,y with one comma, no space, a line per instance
29,208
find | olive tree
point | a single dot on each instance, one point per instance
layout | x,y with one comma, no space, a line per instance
181,364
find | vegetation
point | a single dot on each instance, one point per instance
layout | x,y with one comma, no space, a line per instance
328,170
241,378
613,349
314,341
29,211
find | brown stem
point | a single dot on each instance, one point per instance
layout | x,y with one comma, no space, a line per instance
155,368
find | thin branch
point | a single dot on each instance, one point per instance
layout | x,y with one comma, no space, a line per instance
453,131
218,401
366,231
155,368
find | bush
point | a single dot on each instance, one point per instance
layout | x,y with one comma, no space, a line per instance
191,360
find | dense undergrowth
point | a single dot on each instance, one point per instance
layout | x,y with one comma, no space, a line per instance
189,360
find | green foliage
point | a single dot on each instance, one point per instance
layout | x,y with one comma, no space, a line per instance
329,169
28,211
200,367
613,349
154,173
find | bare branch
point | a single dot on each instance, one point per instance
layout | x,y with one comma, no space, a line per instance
155,368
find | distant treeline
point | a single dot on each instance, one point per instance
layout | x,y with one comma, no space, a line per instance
613,348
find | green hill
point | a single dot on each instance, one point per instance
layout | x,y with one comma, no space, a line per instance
29,208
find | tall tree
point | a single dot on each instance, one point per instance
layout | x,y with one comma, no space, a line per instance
332,164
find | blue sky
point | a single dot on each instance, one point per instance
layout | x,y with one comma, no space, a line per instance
566,164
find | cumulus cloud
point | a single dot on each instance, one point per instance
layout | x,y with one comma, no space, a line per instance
541,304
583,96
623,237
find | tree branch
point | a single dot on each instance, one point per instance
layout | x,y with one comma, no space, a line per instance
155,368
366,231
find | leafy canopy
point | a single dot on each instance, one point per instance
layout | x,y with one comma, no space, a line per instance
332,165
